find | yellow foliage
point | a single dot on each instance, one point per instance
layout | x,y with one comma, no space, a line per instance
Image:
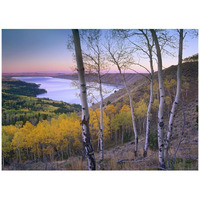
141,108
124,118
155,104
10,130
170,84
95,124
125,108
167,100
185,86
45,137
146,96
7,136
110,110
18,140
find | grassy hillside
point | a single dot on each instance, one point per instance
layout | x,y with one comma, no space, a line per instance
188,152
189,70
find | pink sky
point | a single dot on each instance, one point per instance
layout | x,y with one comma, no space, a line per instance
45,50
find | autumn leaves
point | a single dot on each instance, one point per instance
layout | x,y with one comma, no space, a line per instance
60,137
48,140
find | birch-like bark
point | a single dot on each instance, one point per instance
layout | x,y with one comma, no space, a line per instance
94,61
178,93
132,111
83,95
150,102
101,118
148,119
161,103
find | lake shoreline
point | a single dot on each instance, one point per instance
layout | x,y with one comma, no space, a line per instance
112,79
62,89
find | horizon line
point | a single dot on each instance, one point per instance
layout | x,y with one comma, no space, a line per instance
70,73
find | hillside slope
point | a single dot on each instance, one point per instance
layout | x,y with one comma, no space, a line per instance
189,70
20,104
188,106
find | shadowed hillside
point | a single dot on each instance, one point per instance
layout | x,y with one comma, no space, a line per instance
189,70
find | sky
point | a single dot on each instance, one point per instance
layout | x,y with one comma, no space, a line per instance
45,50
35,50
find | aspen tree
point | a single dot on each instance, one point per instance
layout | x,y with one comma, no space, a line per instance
95,64
178,93
149,54
161,102
142,42
121,57
83,95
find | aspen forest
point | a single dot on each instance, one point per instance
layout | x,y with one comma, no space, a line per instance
128,100
99,100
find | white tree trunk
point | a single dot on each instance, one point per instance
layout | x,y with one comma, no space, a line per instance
149,110
178,93
161,103
132,112
83,96
150,96
101,119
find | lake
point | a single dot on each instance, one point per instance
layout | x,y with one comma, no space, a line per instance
64,90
